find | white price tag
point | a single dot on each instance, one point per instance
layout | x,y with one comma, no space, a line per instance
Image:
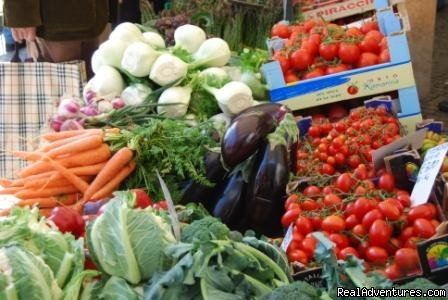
287,239
427,174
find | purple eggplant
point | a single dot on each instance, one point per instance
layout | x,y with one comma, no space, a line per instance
245,136
267,189
215,173
230,206
276,110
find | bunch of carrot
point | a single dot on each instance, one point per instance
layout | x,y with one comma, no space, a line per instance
73,167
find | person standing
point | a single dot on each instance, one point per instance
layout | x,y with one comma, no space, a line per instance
58,31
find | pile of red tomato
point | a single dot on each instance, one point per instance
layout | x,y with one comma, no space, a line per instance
370,221
315,48
345,144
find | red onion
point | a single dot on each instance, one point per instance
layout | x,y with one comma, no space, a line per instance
90,96
71,125
89,111
68,108
56,122
118,103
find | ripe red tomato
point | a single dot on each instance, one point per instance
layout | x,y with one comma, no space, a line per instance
293,198
291,77
297,28
393,272
423,228
360,172
142,198
378,36
435,223
393,245
327,169
316,221
314,131
337,112
314,73
407,260
367,59
386,182
406,233
412,242
351,221
354,32
312,46
300,59
369,44
308,25
160,205
344,182
303,225
362,206
389,210
349,53
384,56
316,38
396,203
280,30
329,51
333,223
422,211
340,240
404,199
298,256
332,69
290,216
383,44
345,252
370,217
354,161
369,26
376,255
309,205
68,220
332,200
312,190
309,245
379,233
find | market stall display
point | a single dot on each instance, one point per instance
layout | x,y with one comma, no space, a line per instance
172,178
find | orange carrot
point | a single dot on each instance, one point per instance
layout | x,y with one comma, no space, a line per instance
5,212
113,182
80,184
55,136
52,181
17,182
11,190
48,192
59,143
85,158
49,202
4,182
28,155
80,145
120,159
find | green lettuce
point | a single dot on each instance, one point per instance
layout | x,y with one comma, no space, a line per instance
61,252
129,243
117,288
25,276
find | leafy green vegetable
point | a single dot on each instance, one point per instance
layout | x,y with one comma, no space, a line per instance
117,288
129,243
251,59
298,290
172,147
191,212
206,229
203,105
74,288
23,275
61,252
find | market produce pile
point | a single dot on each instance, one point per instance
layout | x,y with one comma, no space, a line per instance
316,48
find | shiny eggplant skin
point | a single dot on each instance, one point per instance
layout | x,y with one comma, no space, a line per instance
266,190
273,109
245,136
230,206
215,172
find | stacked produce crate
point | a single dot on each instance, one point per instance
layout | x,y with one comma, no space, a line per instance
394,76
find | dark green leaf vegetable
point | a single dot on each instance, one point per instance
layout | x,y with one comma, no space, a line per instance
129,243
298,290
191,212
61,252
24,275
117,288
205,229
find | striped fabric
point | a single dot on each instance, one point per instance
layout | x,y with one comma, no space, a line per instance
29,93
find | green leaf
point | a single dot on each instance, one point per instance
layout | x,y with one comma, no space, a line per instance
117,288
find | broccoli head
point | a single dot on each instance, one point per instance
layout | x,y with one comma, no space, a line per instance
205,229
298,290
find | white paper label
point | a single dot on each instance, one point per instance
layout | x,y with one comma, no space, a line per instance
427,174
287,239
